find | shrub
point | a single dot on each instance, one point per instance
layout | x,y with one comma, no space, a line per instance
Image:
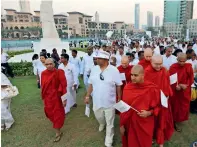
22,68
13,53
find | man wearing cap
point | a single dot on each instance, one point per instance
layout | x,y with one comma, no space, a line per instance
86,65
104,83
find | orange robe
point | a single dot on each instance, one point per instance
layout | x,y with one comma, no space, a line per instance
144,63
53,85
180,101
139,131
164,126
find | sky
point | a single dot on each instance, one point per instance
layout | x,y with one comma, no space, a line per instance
109,10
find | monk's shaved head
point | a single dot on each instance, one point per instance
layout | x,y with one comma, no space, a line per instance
157,58
49,63
49,60
137,74
125,61
182,58
137,69
148,53
157,62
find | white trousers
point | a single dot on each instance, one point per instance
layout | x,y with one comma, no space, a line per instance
106,116
6,116
85,80
71,99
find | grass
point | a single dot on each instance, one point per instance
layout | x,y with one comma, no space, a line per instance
32,129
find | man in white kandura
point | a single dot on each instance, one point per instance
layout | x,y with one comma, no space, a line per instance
7,92
71,77
86,65
104,83
77,62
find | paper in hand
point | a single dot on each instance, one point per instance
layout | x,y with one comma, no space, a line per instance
122,76
122,106
173,78
164,100
87,110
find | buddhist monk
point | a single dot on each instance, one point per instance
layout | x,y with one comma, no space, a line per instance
148,53
180,101
137,127
125,69
158,75
53,85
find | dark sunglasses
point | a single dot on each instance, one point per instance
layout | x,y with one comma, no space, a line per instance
101,76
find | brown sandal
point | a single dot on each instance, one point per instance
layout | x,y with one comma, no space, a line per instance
58,138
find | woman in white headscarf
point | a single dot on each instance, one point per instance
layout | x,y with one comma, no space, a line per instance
7,92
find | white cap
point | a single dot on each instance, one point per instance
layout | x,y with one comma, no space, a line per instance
103,55
95,54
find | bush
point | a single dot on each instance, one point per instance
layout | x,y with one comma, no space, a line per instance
79,49
13,53
22,68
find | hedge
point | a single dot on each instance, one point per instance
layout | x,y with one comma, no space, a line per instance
13,53
79,49
22,68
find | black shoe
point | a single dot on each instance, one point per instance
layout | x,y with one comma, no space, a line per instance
75,106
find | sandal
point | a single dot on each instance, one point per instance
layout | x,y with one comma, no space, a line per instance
58,138
177,128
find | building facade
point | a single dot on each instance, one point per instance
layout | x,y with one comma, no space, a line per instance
22,25
192,26
149,19
178,11
157,21
137,16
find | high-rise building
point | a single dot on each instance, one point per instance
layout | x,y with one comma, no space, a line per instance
178,11
157,21
149,19
96,17
24,6
137,16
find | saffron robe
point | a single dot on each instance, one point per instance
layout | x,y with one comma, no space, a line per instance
53,85
180,101
139,130
144,63
164,126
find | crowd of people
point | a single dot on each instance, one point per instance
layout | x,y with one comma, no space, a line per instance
155,77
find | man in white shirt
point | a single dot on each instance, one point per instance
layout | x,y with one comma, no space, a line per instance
104,82
194,61
195,47
190,53
168,58
119,55
71,77
4,63
137,49
77,62
86,66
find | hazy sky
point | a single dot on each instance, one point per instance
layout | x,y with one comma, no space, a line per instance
109,10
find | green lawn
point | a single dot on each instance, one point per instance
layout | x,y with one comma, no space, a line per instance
32,129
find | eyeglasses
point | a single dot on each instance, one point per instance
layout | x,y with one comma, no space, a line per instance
101,76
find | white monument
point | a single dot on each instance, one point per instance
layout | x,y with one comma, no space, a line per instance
50,38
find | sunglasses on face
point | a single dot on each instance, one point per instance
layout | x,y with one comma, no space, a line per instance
101,76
